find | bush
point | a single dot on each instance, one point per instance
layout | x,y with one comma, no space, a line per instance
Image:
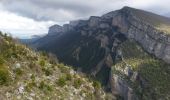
4,75
47,71
96,85
61,81
30,85
77,83
18,71
63,68
1,60
68,77
42,62
45,87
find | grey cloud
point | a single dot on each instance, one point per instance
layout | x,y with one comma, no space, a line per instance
65,10
45,10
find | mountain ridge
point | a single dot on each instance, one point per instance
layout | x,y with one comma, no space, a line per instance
94,46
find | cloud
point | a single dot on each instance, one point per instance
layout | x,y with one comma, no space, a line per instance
65,10
19,14
48,9
20,26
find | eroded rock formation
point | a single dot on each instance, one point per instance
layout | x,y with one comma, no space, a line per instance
92,45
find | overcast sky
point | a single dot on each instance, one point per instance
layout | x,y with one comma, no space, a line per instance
23,18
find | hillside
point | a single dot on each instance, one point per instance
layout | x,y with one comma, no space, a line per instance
29,75
123,49
139,74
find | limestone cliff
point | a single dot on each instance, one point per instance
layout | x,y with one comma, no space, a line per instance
152,40
100,46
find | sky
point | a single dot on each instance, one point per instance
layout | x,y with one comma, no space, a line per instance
24,18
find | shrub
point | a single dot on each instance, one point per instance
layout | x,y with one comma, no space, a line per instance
68,77
18,71
42,62
45,87
47,71
61,81
4,75
63,68
33,77
1,60
30,85
96,85
77,83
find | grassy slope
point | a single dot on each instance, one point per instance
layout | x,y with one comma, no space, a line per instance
25,74
154,71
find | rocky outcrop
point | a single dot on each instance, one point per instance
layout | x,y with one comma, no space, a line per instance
55,29
128,23
92,45
152,40
94,21
59,30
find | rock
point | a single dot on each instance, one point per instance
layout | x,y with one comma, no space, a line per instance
135,76
55,29
67,27
109,60
18,97
78,23
32,94
83,33
151,39
17,65
120,87
128,71
74,23
21,89
94,21
110,15
104,26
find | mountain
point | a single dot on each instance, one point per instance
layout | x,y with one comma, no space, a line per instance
32,39
127,50
29,75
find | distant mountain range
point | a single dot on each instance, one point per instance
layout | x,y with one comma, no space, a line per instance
32,39
127,50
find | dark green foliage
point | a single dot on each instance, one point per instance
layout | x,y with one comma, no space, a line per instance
18,71
4,75
47,71
63,68
77,83
42,62
1,60
61,81
33,77
68,77
45,87
96,85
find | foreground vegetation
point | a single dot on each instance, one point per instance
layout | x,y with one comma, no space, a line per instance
29,75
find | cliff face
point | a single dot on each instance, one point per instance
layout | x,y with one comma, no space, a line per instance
100,47
152,40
